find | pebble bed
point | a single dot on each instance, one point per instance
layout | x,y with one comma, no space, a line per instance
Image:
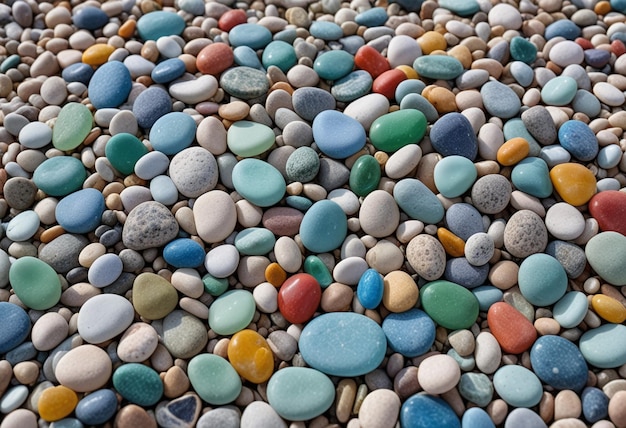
313,213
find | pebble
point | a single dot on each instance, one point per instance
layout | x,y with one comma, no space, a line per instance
172,133
71,371
18,326
225,384
153,296
35,283
604,207
110,85
258,181
438,374
396,325
115,309
137,383
453,134
231,312
395,130
257,414
81,211
513,331
602,254
424,407
183,335
542,279
603,346
158,24
435,296
518,386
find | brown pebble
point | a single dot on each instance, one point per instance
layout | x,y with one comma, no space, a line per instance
132,416
233,111
6,372
546,407
546,326
567,404
26,372
346,394
405,382
337,297
175,382
497,410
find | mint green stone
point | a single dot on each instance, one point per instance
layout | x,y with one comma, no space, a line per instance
604,346
255,241
214,379
605,253
60,175
231,312
365,175
397,129
559,91
280,54
259,182
523,50
460,7
138,384
315,267
123,151
454,175
35,283
449,305
438,67
72,126
333,65
300,393
214,286
247,139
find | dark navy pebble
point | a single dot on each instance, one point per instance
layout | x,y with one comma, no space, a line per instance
597,58
90,18
150,105
77,72
453,134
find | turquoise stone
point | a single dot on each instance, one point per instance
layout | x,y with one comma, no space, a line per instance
279,54
365,175
370,289
302,165
252,35
247,139
418,102
343,344
35,283
299,202
477,388
323,227
395,130
258,182
214,286
333,65
518,386
72,126
532,176
523,50
424,410
418,201
173,132
355,85
409,86
315,267
559,91
604,347
10,62
476,417
487,295
516,128
300,393
231,312
438,67
214,379
449,305
460,7
245,82
571,309
454,175
138,384
123,151
255,241
373,17
465,363
326,30
246,56
60,175
605,255
542,280
159,23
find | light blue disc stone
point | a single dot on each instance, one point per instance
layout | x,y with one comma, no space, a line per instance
475,417
81,211
454,175
542,279
338,135
532,176
554,155
487,295
500,100
160,23
60,175
326,30
518,386
343,344
418,201
323,227
172,133
246,138
258,182
409,333
246,56
373,17
605,346
252,35
23,226
460,7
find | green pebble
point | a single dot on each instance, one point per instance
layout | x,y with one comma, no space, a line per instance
395,130
254,241
438,67
138,384
523,50
605,253
123,151
60,175
280,54
154,297
72,126
232,312
214,379
559,91
365,175
449,305
315,267
214,286
247,139
35,283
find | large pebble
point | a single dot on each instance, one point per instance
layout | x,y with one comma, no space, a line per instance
603,346
315,232
559,363
110,85
603,253
214,379
149,224
518,386
84,368
35,283
422,410
103,317
437,298
453,134
17,327
338,135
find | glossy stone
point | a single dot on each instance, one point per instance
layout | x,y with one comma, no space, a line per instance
370,289
56,403
423,410
251,356
559,363
258,181
138,384
395,130
449,305
512,330
247,139
35,283
97,407
72,126
574,183
231,312
438,67
410,333
603,254
365,175
315,267
299,297
454,175
334,64
214,379
323,227
604,346
542,279
159,23
609,209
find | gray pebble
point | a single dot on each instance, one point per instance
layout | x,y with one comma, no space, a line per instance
309,102
500,100
121,285
525,234
282,344
479,249
20,193
183,334
150,224
539,123
132,261
62,252
302,165
378,379
460,271
571,257
224,417
332,174
491,193
194,171
298,134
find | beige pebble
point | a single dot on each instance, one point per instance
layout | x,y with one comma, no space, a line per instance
90,253
497,409
503,274
288,254
175,382
567,404
385,257
614,386
234,111
379,409
408,230
188,282
84,368
194,307
222,220
462,341
161,359
379,215
400,291
54,91
524,201
132,416
403,161
22,418
488,353
546,406
77,294
211,135
49,331
568,423
546,326
137,343
427,256
6,373
617,409
438,374
251,270
337,297
26,372
346,394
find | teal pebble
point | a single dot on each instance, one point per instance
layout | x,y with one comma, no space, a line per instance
460,7
518,386
302,165
255,241
423,410
418,201
214,286
418,102
231,312
172,133
60,175
355,85
214,379
258,182
138,384
373,17
279,54
252,35
477,388
516,128
604,347
288,35
542,280
325,30
315,267
10,62
466,364
559,91
195,7
409,86
475,417
333,65
605,255
23,226
160,23
370,289
438,67
299,202
523,50
123,151
323,227
454,175
67,423
532,176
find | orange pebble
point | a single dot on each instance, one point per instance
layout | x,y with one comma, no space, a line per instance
251,356
432,41
513,151
602,7
56,403
51,233
409,71
609,308
574,183
453,245
127,29
463,54
442,99
97,54
275,275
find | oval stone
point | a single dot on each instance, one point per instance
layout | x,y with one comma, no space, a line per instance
60,175
395,130
214,379
16,326
513,331
80,212
609,209
453,134
259,182
244,82
364,175
454,175
542,279
138,384
252,35
72,126
255,241
156,24
298,298
559,363
604,253
338,135
97,408
247,139
605,346
518,386
418,201
35,283
438,67
449,305
232,312
343,344
409,333
333,64
103,317
369,288
424,410
323,227
172,133
578,139
110,85
559,91
123,151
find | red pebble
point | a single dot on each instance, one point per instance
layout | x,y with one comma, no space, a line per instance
215,58
299,297
512,330
369,59
387,83
232,18
282,221
609,210
618,47
584,43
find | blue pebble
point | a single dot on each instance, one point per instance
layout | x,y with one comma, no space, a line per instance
418,201
464,220
168,70
532,176
338,135
150,105
333,65
562,28
67,423
160,23
373,17
409,86
597,58
418,102
595,404
351,44
500,100
475,417
586,102
409,333
323,227
524,418
97,407
487,295
24,352
110,85
577,138
184,253
15,326
460,271
172,133
78,72
255,241
618,35
554,155
81,211
326,30
522,72
90,18
355,85
252,35
370,288
609,156
299,202
288,35
247,57
426,411
559,363
453,134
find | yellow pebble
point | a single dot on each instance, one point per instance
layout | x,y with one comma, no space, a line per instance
275,274
609,308
127,29
463,54
513,151
56,403
602,7
400,291
432,41
97,54
251,356
408,71
573,182
453,245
